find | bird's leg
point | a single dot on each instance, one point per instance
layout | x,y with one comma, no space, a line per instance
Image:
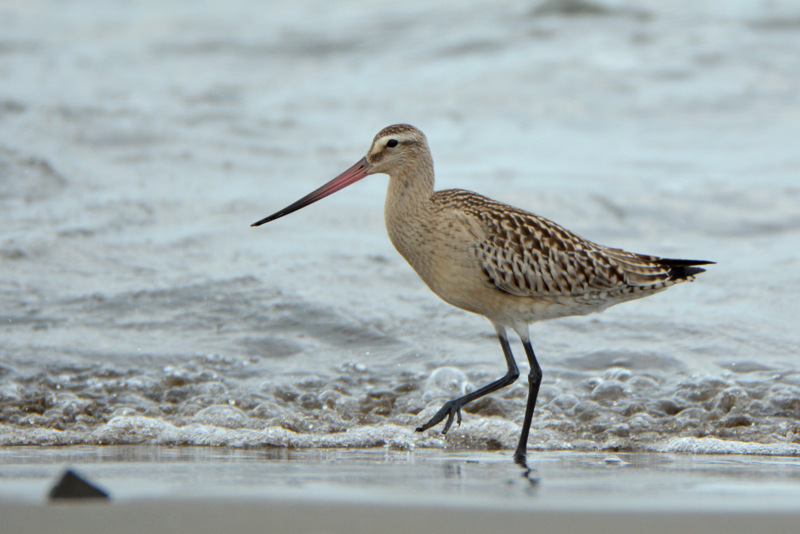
534,380
452,408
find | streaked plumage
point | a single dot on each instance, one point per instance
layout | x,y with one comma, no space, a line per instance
496,260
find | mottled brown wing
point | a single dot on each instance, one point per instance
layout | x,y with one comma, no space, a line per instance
527,255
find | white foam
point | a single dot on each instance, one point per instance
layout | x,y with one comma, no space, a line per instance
721,446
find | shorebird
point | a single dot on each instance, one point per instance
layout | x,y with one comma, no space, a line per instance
489,258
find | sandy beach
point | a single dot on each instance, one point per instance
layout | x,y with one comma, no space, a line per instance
201,490
303,516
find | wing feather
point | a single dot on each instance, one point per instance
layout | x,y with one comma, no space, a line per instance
530,256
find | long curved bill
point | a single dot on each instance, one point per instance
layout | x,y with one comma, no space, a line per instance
348,177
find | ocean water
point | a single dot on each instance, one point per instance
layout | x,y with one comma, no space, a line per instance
139,141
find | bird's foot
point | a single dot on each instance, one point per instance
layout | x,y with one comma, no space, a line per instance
451,409
521,459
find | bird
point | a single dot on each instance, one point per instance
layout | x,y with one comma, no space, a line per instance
492,259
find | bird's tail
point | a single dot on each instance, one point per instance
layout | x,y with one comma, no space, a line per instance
682,269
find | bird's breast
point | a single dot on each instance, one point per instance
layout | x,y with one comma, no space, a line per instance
442,252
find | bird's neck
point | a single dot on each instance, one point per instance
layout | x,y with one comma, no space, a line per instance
408,215
410,189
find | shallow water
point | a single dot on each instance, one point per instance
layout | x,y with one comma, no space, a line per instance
139,142
567,481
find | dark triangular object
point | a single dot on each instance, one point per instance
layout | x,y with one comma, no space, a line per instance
680,269
72,486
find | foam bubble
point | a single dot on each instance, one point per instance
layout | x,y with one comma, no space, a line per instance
719,446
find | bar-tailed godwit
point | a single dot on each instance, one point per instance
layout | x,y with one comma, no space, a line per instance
489,258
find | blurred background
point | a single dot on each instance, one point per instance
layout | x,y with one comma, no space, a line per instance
138,141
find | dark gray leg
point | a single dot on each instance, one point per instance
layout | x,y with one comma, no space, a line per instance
452,408
534,381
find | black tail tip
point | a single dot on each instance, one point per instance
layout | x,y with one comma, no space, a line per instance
684,272
681,269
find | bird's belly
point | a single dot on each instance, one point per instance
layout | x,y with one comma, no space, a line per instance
446,262
464,285
504,308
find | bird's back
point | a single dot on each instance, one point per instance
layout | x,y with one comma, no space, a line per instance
528,256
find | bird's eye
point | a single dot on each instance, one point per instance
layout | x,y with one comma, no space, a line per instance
391,143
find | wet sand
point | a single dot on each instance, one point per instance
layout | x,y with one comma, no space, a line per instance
302,516
210,490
